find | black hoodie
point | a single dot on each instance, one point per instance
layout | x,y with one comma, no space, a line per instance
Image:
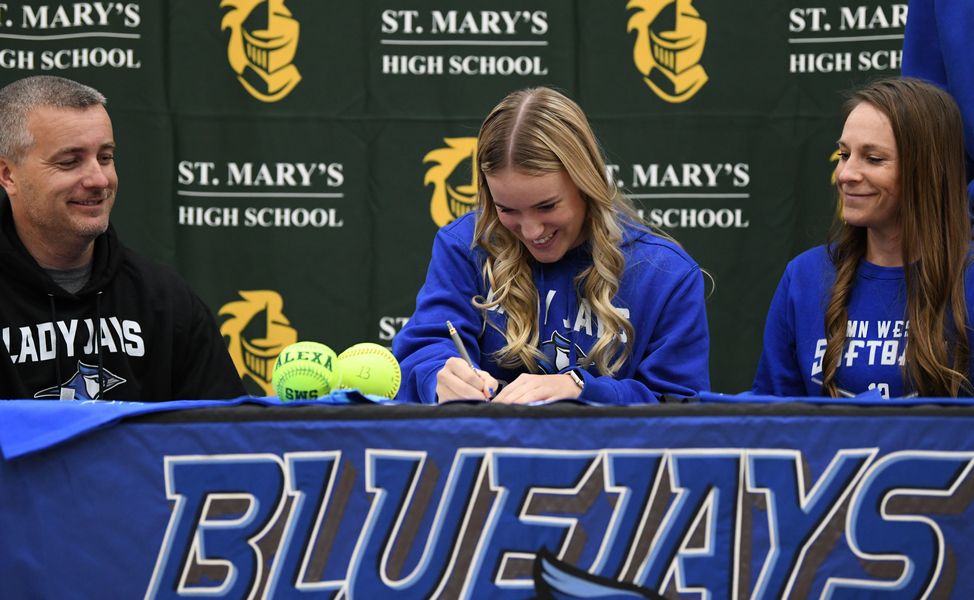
156,340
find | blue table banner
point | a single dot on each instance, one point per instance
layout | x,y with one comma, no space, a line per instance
703,500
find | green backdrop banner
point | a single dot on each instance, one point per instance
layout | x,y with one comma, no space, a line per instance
293,158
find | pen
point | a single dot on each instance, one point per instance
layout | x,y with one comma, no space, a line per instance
459,345
463,354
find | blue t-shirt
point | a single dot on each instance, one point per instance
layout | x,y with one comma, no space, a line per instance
661,293
877,330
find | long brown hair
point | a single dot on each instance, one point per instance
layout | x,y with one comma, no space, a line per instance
935,232
538,131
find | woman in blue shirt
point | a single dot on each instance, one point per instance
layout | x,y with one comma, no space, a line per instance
554,284
885,304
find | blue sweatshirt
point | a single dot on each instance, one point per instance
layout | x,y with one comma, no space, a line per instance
876,334
661,293
938,46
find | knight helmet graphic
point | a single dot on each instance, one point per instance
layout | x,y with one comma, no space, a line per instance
84,384
454,179
257,330
670,37
262,46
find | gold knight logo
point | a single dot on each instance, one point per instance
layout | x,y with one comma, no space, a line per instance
257,330
263,42
454,179
670,37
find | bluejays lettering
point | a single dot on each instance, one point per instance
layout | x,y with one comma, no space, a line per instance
397,523
45,341
562,316
584,320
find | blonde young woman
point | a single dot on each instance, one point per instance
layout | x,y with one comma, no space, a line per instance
884,306
553,283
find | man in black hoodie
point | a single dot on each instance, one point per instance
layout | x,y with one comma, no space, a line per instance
81,316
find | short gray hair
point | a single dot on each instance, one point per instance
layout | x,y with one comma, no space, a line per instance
24,95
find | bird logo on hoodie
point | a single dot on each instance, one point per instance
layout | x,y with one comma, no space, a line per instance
558,351
84,384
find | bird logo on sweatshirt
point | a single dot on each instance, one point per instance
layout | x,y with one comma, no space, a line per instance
84,384
558,351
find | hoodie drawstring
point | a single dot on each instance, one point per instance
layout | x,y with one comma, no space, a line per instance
101,364
572,334
57,363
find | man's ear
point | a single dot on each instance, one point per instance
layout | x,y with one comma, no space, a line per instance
7,176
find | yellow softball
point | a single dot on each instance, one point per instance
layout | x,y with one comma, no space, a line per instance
371,369
305,370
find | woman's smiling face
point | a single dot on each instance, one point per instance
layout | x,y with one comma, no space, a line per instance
868,173
546,212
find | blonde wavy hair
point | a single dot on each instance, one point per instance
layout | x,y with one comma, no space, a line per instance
538,131
935,233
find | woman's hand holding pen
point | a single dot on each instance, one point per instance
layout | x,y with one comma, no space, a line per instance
457,380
